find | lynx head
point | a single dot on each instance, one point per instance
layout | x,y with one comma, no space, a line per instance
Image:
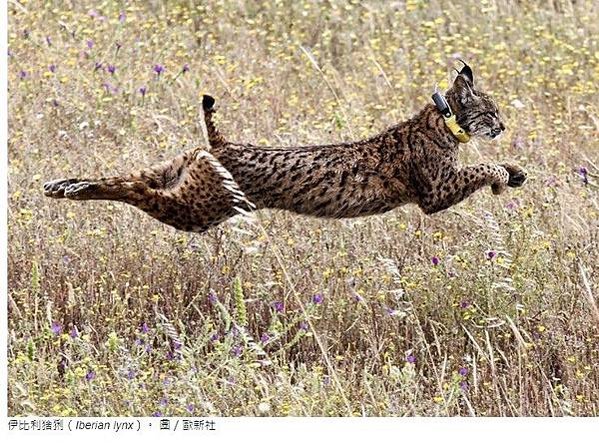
475,111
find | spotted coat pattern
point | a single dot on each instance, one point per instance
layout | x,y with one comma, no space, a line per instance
415,161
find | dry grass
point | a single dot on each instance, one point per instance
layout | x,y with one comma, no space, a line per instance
111,313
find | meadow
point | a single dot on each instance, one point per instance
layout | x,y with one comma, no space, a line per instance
488,309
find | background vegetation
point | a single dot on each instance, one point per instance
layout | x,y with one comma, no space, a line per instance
485,309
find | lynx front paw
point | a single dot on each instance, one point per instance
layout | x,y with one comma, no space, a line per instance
517,175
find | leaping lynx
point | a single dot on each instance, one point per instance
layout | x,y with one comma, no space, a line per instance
415,161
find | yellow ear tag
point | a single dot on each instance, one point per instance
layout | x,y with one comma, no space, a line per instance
456,129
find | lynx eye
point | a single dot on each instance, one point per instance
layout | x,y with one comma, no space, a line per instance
493,114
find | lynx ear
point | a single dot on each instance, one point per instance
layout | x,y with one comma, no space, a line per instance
463,89
463,84
466,72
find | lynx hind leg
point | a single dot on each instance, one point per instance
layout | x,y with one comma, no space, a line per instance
186,192
128,188
111,188
197,201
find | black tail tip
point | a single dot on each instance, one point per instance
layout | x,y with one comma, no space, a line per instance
208,103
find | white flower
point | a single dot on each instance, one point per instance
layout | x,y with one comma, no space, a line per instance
263,408
517,104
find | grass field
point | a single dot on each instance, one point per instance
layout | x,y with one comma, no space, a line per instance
489,308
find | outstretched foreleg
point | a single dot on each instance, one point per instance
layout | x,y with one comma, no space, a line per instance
463,182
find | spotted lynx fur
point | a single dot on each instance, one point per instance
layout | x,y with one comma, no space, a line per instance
415,161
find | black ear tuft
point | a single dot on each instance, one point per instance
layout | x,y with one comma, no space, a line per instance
208,103
466,71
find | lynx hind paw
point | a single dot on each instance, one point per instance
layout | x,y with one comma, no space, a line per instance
208,103
56,188
80,190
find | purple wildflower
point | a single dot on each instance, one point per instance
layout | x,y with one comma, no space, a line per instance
304,326
317,299
358,298
90,375
158,69
518,142
157,414
185,68
56,328
190,408
279,306
435,260
464,304
48,40
52,68
144,328
97,66
122,17
491,254
551,181
163,402
463,371
215,337
23,75
265,338
142,90
236,351
583,172
74,333
130,374
111,69
464,385
511,205
411,359
90,44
